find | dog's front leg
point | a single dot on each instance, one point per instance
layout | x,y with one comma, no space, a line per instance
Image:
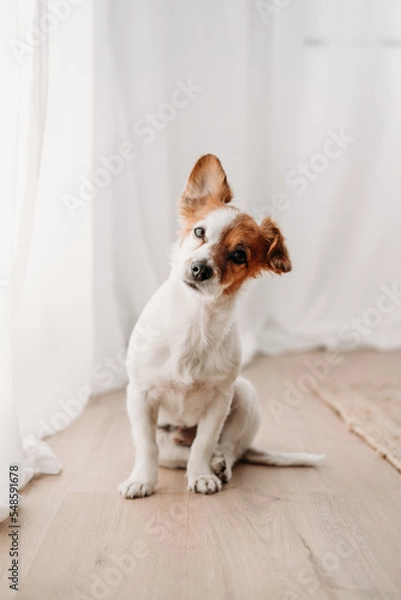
143,416
200,476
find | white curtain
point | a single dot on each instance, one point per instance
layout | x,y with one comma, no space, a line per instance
47,304
301,102
307,84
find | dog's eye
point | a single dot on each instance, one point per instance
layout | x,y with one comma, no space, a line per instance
239,257
199,232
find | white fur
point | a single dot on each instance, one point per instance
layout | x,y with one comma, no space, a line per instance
191,249
183,364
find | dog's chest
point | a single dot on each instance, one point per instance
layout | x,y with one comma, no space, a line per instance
181,405
195,355
189,381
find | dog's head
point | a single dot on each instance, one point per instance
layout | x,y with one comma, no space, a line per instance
220,247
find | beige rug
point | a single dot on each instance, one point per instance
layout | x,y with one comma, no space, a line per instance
371,411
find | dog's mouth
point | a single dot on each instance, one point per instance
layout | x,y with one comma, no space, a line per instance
191,285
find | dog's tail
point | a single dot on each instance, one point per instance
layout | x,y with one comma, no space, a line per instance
281,459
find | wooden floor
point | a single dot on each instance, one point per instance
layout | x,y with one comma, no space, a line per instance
279,534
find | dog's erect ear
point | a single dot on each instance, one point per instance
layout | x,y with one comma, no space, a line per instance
206,185
277,258
207,178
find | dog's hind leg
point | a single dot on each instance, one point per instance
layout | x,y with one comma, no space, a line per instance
238,433
172,455
239,429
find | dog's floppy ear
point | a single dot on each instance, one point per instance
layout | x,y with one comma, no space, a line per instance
207,183
277,258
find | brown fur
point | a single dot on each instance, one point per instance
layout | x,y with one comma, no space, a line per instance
277,256
207,189
264,246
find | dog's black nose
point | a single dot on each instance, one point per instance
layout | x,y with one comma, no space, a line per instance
201,270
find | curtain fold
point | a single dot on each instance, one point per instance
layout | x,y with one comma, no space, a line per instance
29,89
46,339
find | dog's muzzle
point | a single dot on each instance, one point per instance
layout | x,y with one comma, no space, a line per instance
201,270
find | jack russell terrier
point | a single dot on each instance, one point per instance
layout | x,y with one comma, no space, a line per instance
187,405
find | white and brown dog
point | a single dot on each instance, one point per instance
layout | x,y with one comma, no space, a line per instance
187,405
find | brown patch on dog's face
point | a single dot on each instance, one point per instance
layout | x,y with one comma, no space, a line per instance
206,190
246,249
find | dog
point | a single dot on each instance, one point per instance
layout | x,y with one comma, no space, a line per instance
187,404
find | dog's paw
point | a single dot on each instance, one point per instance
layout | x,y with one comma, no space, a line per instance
220,467
135,489
204,484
